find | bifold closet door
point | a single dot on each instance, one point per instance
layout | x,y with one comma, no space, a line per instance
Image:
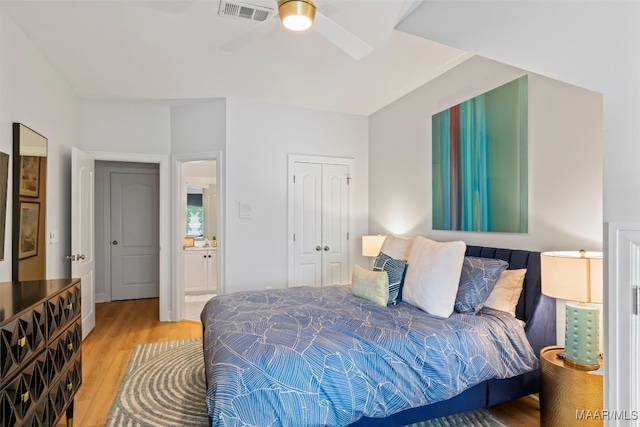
321,209
335,225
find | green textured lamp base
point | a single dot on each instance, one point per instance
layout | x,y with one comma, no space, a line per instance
581,336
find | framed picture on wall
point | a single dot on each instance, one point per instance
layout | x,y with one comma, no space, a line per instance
29,176
4,176
28,237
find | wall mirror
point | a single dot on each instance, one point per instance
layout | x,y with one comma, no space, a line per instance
201,215
29,204
199,180
4,175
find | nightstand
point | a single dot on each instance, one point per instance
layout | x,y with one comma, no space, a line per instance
569,396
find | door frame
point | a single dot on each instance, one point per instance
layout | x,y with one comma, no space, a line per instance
292,159
178,232
164,235
621,340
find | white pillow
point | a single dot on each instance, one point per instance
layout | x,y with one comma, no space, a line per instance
433,275
396,247
506,293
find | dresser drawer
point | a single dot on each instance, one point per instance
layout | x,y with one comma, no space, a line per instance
62,391
20,339
64,349
21,397
62,309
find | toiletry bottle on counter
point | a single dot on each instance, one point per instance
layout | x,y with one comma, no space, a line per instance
214,242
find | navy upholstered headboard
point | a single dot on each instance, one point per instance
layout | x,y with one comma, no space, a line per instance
536,309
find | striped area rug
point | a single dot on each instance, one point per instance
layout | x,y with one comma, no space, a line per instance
164,386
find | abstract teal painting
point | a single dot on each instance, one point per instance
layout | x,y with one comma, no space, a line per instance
479,154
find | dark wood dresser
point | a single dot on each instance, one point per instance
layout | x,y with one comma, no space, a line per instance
40,351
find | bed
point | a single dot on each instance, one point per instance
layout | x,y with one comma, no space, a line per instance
321,356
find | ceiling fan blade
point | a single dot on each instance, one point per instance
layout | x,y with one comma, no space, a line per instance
253,34
342,38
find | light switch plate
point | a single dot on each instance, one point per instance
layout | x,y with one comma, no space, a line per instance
246,209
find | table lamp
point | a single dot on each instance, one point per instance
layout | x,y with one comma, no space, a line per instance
576,276
371,245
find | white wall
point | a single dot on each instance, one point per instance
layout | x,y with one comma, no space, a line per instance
204,169
198,127
140,127
595,45
33,93
565,160
259,138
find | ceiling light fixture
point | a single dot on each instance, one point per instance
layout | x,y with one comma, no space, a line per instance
296,15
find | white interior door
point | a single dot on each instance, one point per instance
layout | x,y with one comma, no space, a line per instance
321,215
335,224
83,233
134,236
622,367
308,224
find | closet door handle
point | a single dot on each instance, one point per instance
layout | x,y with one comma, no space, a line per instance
318,248
115,242
326,248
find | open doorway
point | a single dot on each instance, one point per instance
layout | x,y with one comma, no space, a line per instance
200,227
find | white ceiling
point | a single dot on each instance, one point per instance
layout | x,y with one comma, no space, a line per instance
166,50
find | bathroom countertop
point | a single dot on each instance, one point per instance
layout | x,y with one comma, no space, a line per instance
200,248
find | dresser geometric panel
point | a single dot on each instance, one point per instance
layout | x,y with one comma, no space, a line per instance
40,352
61,309
26,391
20,339
63,390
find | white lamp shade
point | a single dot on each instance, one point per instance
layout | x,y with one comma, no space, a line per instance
572,276
371,245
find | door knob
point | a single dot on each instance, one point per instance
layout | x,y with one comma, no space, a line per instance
70,257
318,248
79,257
115,242
326,248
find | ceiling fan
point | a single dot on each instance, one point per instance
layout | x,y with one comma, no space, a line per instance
300,15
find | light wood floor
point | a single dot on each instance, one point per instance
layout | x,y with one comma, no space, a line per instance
121,325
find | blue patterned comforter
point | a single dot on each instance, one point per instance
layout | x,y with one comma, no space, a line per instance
320,356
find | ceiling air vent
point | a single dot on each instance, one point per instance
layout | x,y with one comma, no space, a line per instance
235,9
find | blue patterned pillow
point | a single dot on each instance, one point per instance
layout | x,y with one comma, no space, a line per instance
478,277
395,269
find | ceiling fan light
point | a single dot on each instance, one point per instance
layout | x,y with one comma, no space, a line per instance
296,23
296,15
